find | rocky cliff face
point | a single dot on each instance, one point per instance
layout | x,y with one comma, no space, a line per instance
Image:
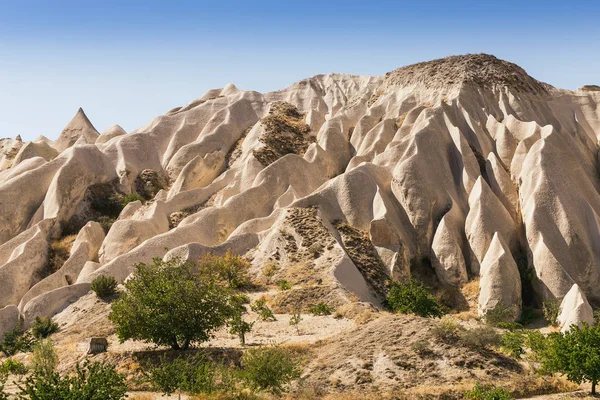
449,170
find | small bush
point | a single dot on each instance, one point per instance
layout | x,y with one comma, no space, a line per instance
321,309
528,315
44,359
510,326
315,249
421,347
16,341
269,369
481,392
411,297
513,343
295,320
447,331
284,285
231,269
43,327
270,269
131,198
264,312
500,314
194,375
550,309
92,381
10,366
104,286
480,338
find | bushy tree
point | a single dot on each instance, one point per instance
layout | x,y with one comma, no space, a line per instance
166,303
575,353
269,369
411,297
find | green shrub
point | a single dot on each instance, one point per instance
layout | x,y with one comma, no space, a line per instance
411,297
482,392
315,249
193,375
528,315
550,309
270,269
501,314
284,285
92,381
104,286
16,341
321,309
510,326
513,343
167,304
264,312
43,327
44,358
129,198
446,331
269,369
421,347
231,269
479,338
10,366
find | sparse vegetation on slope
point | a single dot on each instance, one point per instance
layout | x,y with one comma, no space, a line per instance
285,132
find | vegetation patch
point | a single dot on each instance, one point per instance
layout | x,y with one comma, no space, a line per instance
285,132
361,251
58,253
148,183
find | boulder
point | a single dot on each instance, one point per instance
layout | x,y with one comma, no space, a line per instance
9,319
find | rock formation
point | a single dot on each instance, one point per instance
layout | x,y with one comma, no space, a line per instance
447,169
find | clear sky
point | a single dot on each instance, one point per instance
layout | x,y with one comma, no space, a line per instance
126,62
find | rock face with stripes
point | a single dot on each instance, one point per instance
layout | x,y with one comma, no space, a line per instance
448,169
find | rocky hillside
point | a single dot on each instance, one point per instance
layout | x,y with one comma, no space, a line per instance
454,170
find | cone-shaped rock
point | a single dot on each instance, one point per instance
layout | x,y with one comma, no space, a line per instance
79,127
574,310
500,282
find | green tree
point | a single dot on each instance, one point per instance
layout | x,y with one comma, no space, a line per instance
237,325
411,297
575,353
167,304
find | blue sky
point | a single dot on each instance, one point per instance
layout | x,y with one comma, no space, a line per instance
126,62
